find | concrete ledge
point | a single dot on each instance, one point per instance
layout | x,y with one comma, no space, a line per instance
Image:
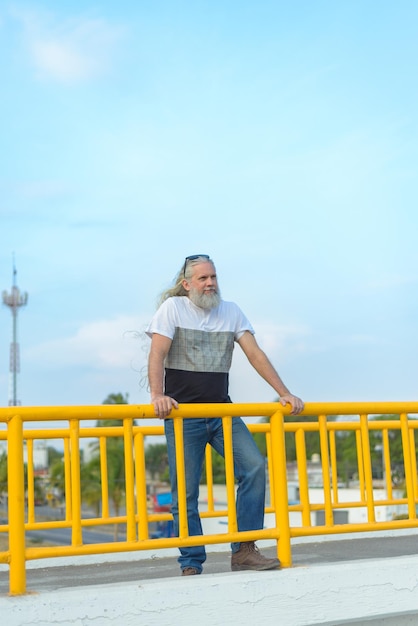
356,592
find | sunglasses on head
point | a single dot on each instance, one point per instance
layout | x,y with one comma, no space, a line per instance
193,257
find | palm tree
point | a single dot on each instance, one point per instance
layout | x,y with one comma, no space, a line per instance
156,459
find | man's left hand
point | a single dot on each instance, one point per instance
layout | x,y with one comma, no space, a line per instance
295,402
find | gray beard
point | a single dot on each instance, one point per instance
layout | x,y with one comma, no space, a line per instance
205,300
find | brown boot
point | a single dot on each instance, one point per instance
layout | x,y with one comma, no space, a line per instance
249,557
189,571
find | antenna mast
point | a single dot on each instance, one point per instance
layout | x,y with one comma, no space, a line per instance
14,301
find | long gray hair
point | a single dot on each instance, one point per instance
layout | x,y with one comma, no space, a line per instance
185,272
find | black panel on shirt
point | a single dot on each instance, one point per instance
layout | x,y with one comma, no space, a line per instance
191,387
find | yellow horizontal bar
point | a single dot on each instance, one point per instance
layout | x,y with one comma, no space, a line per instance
147,544
146,411
339,529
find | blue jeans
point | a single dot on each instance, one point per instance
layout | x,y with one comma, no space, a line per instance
250,473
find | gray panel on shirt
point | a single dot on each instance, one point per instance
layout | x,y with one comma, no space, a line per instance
201,351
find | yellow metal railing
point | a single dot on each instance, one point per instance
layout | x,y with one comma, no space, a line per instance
22,426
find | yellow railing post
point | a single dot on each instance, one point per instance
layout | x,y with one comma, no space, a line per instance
209,477
270,469
76,534
334,473
413,460
181,478
30,481
129,479
387,470
409,481
16,504
229,473
326,478
67,480
104,476
280,488
360,464
303,476
141,487
367,464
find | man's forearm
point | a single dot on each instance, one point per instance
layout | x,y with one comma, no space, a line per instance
156,375
163,404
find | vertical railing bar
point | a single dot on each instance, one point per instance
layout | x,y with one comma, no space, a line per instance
229,474
181,478
104,476
360,464
387,470
326,480
209,478
129,479
302,465
334,472
141,486
364,425
282,526
16,506
413,460
31,481
409,483
67,480
270,470
76,529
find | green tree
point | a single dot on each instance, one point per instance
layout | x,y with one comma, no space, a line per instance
347,461
39,491
156,460
116,398
53,454
57,476
91,485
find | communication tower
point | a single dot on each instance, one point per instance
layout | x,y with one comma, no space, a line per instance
14,301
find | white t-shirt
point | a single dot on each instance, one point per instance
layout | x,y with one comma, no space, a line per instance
200,356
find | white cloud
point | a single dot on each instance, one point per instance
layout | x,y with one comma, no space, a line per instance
105,351
67,51
113,343
103,345
276,339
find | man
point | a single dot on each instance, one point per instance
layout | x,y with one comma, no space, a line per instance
192,340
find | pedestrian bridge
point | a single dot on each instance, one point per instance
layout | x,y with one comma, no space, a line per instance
24,425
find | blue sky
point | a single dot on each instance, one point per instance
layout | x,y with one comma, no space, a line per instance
278,137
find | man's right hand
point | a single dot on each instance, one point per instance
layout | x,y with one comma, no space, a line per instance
163,405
